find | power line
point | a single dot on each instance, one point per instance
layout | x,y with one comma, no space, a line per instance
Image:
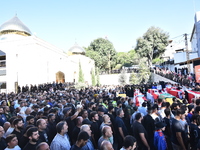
176,36
182,35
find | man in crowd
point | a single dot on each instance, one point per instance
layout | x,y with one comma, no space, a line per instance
61,140
12,142
129,143
89,145
106,135
18,127
3,143
149,124
43,146
2,116
178,132
81,141
76,129
51,127
33,136
140,133
42,125
95,128
7,112
29,120
120,128
106,146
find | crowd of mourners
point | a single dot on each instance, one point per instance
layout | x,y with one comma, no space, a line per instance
179,75
60,117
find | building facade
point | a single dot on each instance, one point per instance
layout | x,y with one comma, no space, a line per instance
26,59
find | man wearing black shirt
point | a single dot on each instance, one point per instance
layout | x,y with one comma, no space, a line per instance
42,125
149,124
95,127
82,139
178,131
91,106
194,132
33,136
76,129
51,127
18,128
3,143
167,132
140,133
110,114
70,118
35,110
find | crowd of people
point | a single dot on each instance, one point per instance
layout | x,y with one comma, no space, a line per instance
60,117
181,75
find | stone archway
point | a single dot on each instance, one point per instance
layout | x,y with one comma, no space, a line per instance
60,77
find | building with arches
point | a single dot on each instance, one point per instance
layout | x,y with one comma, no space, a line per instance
27,59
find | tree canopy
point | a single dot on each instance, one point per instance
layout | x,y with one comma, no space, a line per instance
127,59
103,53
152,44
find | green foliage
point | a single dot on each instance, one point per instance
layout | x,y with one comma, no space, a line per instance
80,75
152,44
103,53
134,78
118,66
93,78
122,58
133,57
157,61
127,59
144,72
122,77
143,75
97,76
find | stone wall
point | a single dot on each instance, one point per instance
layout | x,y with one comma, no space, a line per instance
112,79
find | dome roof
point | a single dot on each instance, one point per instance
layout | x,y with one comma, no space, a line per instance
14,25
76,49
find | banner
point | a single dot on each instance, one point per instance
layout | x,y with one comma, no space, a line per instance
197,73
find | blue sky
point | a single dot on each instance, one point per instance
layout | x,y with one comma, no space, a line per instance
63,22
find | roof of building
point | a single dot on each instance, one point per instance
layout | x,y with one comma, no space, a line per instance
15,24
76,49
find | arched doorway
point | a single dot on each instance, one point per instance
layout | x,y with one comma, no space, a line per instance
60,77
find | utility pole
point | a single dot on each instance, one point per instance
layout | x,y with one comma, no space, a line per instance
187,53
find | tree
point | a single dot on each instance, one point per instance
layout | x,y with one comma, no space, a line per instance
97,76
143,74
93,78
152,44
122,58
80,75
144,71
134,78
133,57
103,53
127,59
122,77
